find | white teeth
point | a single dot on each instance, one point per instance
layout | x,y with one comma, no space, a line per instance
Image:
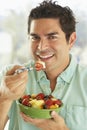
46,56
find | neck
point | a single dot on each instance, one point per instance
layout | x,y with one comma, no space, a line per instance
53,74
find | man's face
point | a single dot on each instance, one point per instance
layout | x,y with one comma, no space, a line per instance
48,43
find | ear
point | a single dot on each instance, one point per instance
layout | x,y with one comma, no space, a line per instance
72,39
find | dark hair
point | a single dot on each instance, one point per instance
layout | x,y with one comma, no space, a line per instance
49,9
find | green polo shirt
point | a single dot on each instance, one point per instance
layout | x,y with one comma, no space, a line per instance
71,88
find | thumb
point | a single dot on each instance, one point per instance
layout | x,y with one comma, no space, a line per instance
56,117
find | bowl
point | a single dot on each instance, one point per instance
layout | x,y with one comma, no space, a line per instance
37,112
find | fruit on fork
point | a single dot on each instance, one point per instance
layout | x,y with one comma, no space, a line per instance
39,65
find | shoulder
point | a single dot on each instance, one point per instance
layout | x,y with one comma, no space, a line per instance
81,75
82,69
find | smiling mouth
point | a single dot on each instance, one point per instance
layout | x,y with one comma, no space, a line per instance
45,54
45,57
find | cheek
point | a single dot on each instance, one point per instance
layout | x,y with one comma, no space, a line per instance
33,50
61,51
58,48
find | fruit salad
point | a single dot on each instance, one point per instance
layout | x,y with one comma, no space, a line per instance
40,101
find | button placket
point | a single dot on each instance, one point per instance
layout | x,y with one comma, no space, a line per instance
58,92
45,86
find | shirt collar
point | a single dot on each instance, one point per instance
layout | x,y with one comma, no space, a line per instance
67,74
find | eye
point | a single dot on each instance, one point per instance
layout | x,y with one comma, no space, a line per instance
52,37
34,38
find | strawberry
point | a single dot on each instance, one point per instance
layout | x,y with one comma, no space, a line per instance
48,103
26,96
38,66
40,96
25,101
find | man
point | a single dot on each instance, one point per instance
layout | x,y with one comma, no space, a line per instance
51,30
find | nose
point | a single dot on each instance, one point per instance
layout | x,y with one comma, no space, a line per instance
43,44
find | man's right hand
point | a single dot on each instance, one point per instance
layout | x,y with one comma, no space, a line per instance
13,85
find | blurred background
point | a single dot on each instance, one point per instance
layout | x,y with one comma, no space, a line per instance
14,44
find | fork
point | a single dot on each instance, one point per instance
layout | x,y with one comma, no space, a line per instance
18,71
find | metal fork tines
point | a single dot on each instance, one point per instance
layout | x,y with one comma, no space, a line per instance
23,69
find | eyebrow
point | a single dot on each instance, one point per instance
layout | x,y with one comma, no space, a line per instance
52,33
48,34
33,34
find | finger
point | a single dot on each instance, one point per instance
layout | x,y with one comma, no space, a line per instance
18,89
56,117
16,93
12,71
43,124
33,121
16,79
26,118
